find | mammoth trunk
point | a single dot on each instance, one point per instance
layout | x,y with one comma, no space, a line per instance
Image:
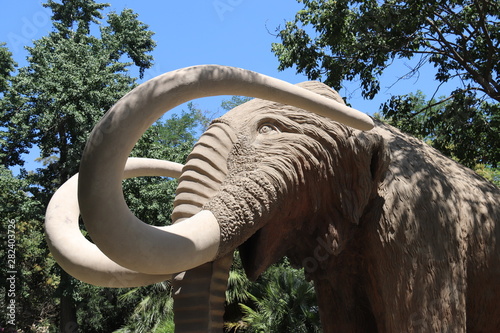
199,293
204,171
240,199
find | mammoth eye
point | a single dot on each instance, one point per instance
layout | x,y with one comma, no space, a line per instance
267,129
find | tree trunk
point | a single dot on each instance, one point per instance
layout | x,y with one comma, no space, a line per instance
67,310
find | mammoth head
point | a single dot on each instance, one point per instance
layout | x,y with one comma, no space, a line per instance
267,171
268,160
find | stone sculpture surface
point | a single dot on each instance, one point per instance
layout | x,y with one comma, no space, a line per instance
395,236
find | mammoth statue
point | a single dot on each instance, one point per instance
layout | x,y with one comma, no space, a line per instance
395,236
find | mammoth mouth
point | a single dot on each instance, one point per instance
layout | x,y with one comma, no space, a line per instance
264,248
252,258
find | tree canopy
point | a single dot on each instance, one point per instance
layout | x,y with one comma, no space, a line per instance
72,78
6,67
337,40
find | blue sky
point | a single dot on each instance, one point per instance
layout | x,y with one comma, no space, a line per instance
226,32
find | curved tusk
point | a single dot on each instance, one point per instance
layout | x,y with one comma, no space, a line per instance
142,167
79,257
115,230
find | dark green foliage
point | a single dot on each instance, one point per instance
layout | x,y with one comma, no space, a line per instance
362,38
126,35
337,40
111,313
15,199
285,303
281,300
6,67
35,281
71,16
153,311
71,80
459,127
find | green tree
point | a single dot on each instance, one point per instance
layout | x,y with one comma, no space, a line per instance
459,127
337,40
24,252
7,65
72,78
464,141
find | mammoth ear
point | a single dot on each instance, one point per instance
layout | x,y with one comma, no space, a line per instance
371,160
380,159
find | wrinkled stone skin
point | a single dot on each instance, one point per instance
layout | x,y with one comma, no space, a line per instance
395,236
